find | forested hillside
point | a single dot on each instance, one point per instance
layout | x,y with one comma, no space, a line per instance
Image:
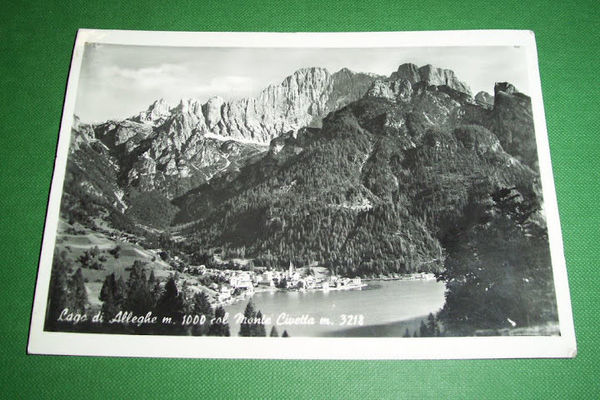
373,192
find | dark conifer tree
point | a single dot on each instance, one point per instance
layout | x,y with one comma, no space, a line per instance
184,293
274,332
110,296
171,305
423,332
109,286
109,308
432,326
247,326
139,297
285,334
219,327
202,307
156,293
58,296
121,291
151,279
259,327
78,293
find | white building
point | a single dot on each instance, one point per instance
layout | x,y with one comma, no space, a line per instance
267,278
241,281
224,294
307,282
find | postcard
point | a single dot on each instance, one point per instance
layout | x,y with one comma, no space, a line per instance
379,195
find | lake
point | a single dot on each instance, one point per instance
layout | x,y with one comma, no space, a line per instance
381,303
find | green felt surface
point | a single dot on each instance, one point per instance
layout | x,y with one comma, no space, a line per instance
36,40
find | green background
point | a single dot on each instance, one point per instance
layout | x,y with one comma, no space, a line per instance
36,41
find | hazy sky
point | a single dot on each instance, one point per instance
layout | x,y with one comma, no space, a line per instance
119,81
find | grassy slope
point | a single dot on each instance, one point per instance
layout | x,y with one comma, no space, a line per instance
76,244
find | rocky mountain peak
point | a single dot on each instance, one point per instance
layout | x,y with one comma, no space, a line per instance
307,75
212,111
512,122
172,148
344,73
396,90
189,105
216,99
428,74
407,71
80,133
301,99
506,94
157,111
484,99
159,105
440,76
310,70
504,87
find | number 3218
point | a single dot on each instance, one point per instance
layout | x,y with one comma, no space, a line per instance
352,319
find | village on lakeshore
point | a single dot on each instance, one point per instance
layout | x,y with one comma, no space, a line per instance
224,280
238,283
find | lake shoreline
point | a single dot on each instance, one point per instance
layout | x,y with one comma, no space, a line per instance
272,289
383,308
418,276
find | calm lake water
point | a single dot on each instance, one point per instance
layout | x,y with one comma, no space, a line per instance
382,302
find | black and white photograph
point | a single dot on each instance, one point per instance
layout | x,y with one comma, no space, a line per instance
383,195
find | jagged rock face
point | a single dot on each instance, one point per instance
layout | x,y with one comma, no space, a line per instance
125,135
504,87
429,97
80,133
512,122
431,76
442,77
407,71
409,80
91,171
484,99
411,109
347,86
392,89
302,99
171,149
185,120
212,111
157,112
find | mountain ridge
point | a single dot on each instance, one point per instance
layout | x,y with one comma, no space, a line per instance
174,148
165,150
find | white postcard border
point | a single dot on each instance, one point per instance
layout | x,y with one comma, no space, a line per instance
59,343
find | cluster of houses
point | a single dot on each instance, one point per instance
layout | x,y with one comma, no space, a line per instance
121,236
244,283
292,279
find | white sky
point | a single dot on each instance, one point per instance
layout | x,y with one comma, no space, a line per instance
118,81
